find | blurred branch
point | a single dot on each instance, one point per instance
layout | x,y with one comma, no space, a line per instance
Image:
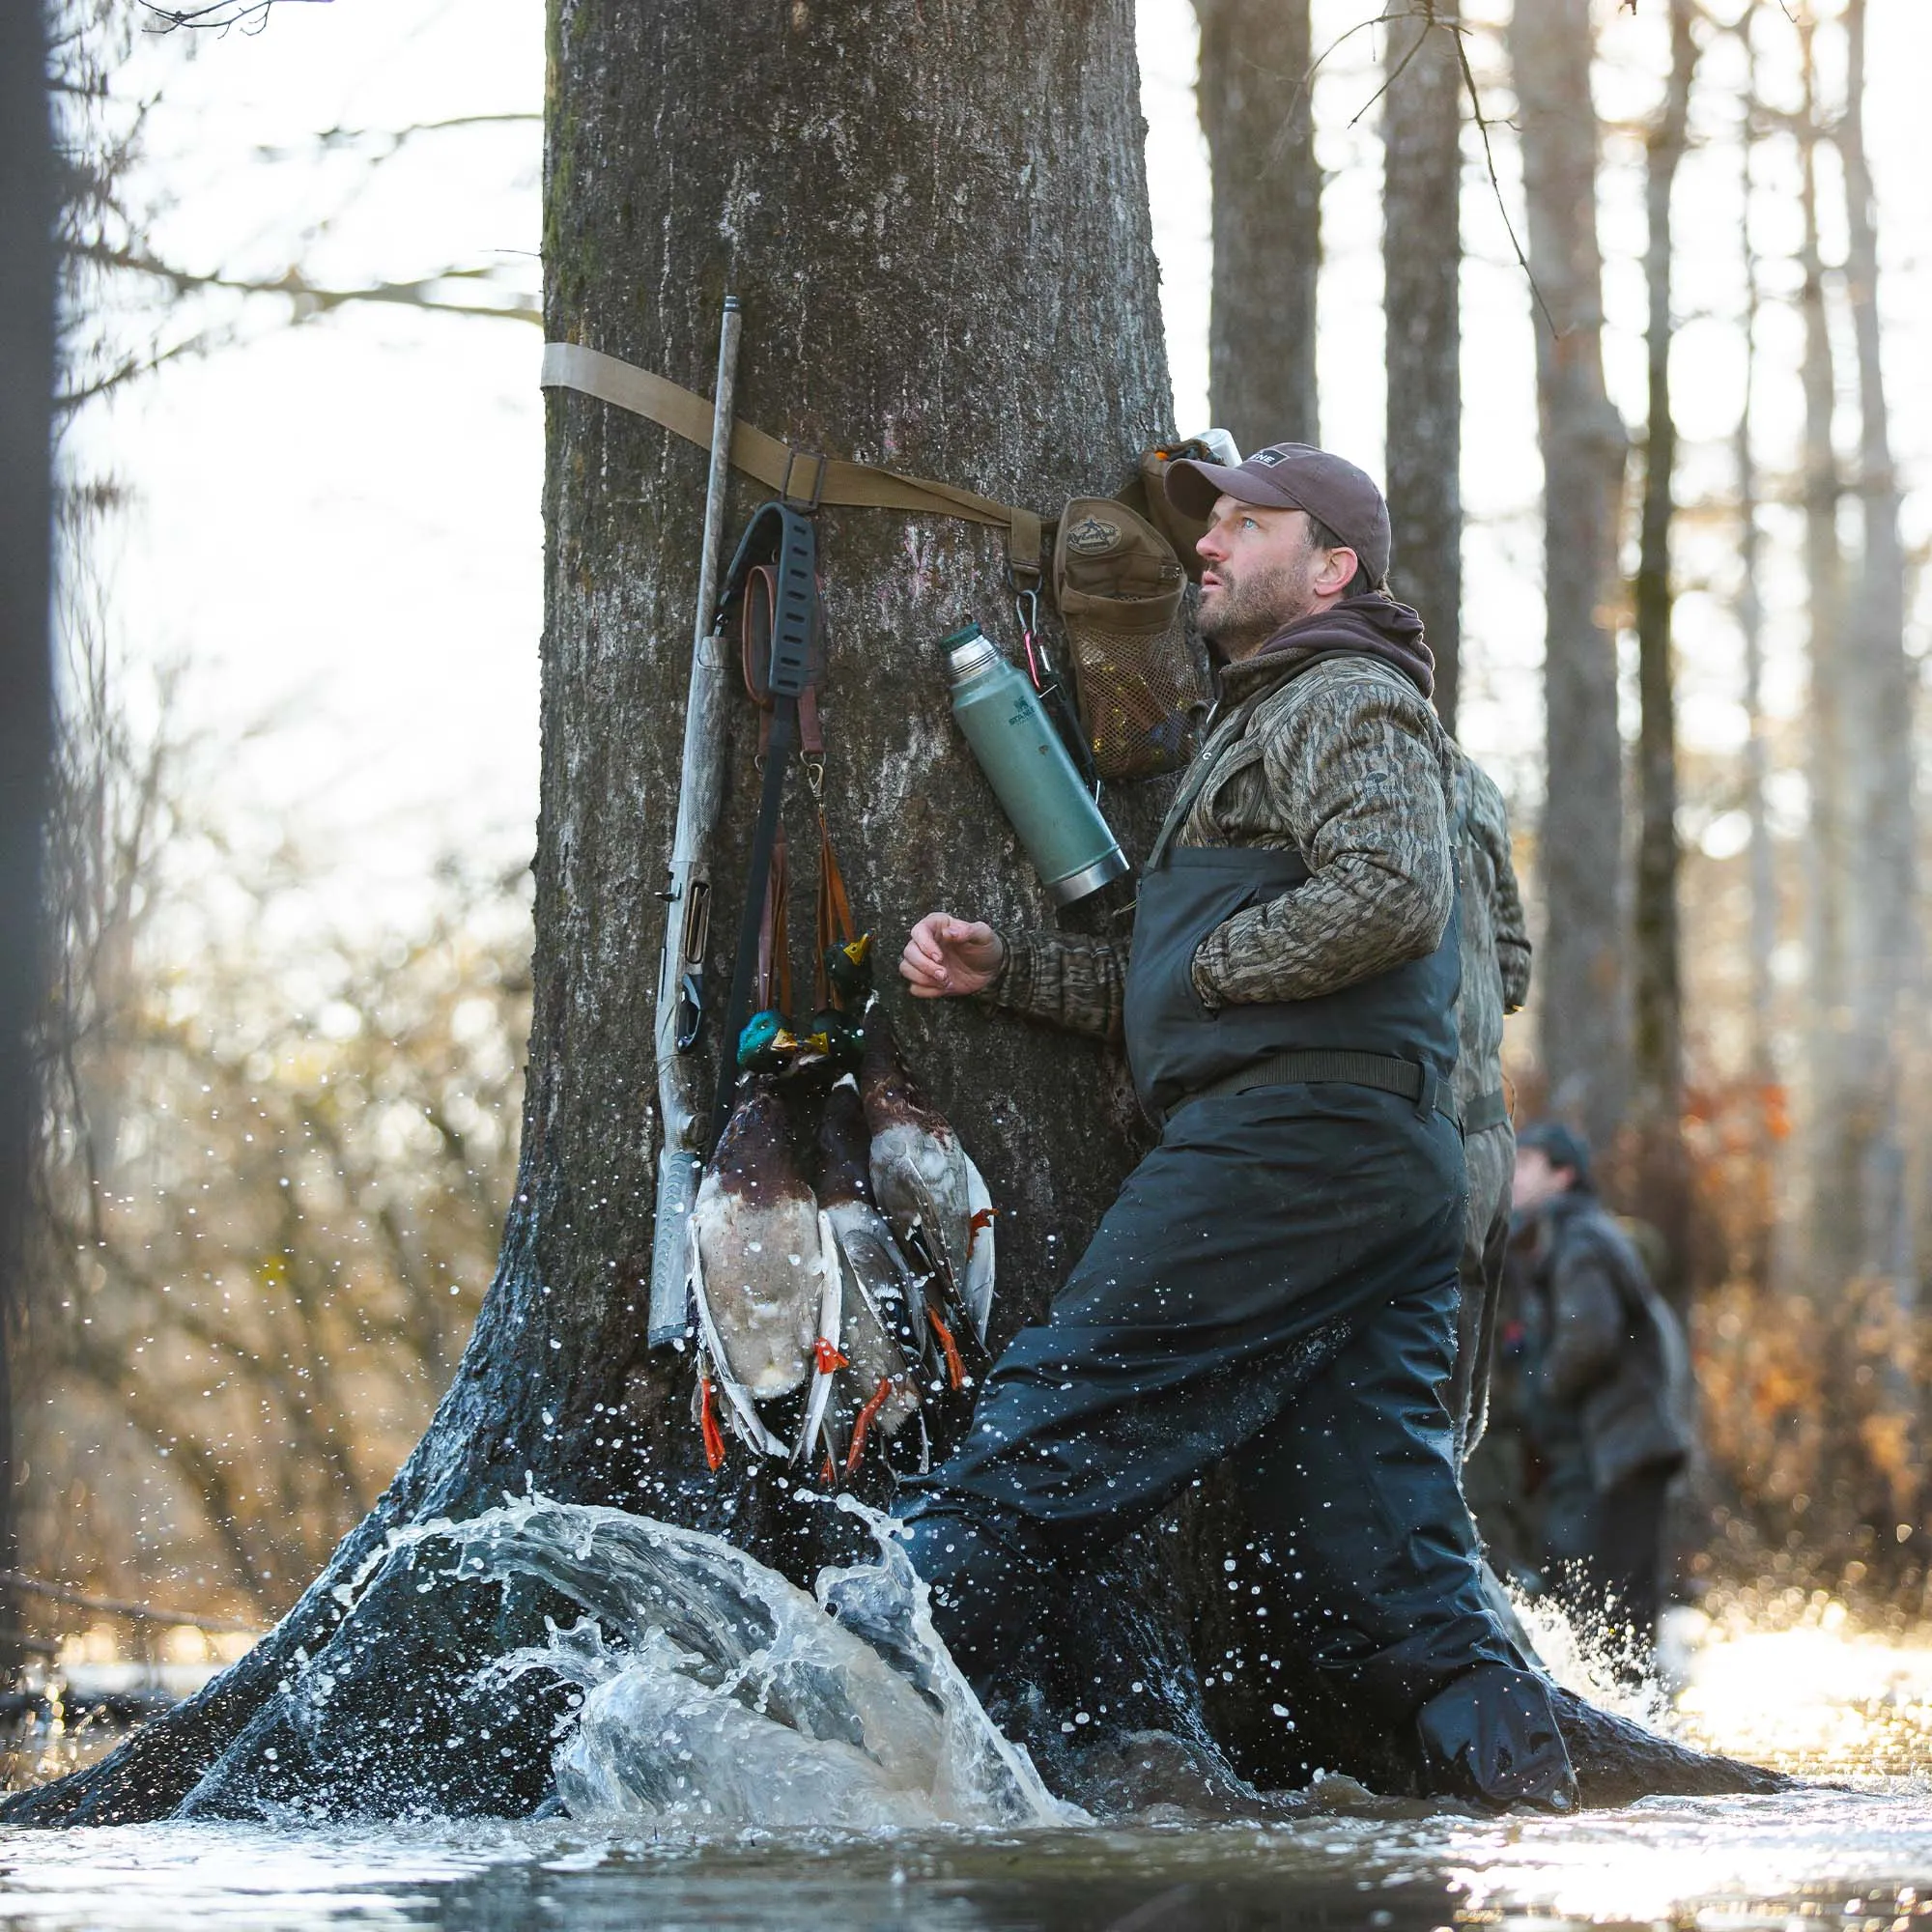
59,1593
311,298
395,139
250,16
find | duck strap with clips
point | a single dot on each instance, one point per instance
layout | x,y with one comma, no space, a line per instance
783,539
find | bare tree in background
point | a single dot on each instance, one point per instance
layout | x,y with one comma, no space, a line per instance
1583,1024
1767,1109
1879,690
1832,1192
269,1182
27,273
1422,256
1255,110
1662,1177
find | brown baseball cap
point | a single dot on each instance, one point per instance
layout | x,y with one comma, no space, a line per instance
1292,477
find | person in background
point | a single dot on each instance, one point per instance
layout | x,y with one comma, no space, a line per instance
1493,939
1604,1389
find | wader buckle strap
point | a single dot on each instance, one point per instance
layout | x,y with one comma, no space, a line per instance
1485,1111
1408,1079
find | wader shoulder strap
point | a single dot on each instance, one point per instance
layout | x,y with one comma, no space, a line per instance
818,479
1198,772
1215,748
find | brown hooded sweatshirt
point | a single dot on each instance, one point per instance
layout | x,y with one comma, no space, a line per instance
1343,761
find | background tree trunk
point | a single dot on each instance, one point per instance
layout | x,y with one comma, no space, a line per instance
1255,110
1834,1192
939,227
26,719
1763,888
1663,1173
1583,1026
1422,258
1880,687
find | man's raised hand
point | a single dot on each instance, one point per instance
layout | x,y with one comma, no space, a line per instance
946,957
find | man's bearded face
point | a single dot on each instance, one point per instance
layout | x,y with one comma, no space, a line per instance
1261,565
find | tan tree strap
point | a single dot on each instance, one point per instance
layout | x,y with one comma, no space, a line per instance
797,475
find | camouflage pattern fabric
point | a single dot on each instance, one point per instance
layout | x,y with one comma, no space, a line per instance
1346,764
1496,981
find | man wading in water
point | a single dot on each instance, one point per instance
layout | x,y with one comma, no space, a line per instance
1276,1285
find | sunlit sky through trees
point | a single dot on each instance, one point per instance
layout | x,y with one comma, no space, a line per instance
337,526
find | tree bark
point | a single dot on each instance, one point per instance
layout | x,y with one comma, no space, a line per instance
939,228
1658,1004
1255,110
27,196
1422,258
1583,1026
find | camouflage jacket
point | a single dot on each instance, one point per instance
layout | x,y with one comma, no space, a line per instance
1344,763
1494,941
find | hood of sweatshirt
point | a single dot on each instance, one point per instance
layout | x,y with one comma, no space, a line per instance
1369,625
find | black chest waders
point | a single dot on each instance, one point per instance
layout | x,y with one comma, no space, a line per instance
1273,1292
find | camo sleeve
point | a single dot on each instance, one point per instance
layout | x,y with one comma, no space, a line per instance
1356,768
1064,979
1488,822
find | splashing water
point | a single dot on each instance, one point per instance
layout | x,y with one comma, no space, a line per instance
735,1699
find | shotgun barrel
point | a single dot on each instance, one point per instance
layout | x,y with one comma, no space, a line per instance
680,1005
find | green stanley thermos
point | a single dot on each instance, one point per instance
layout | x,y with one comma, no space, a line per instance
1017,747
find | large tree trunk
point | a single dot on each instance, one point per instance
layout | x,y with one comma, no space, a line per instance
938,224
26,725
1663,1182
1422,258
1583,1026
1256,111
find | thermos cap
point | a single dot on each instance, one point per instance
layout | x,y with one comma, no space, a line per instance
968,650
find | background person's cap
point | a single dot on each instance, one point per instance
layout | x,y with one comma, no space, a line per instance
1559,1145
1292,477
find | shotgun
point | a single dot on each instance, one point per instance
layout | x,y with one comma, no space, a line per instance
682,1112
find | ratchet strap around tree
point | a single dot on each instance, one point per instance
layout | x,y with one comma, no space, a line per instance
799,476
782,538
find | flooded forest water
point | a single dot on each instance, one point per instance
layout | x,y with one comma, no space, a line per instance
742,1758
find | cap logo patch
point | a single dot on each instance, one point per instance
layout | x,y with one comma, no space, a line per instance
1092,536
1267,459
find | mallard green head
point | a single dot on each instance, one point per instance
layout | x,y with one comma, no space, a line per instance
767,1045
837,1038
850,970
